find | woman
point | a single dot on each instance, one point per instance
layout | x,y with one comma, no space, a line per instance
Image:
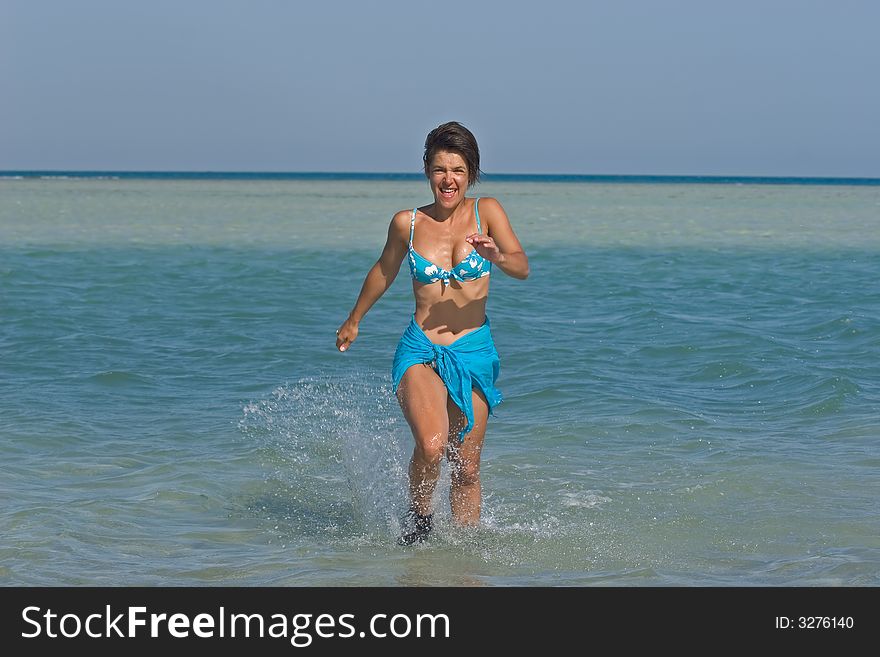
445,366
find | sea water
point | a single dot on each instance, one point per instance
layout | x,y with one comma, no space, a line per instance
691,382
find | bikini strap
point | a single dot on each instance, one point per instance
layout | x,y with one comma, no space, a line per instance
477,213
412,227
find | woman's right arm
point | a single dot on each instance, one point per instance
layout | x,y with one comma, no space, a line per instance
378,279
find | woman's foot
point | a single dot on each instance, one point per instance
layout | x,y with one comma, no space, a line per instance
416,527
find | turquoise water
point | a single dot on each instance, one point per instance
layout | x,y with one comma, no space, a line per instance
690,374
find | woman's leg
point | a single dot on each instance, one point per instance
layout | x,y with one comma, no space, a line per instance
422,397
465,496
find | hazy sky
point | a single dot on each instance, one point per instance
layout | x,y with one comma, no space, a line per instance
700,87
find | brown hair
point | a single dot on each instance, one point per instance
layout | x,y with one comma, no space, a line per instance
455,138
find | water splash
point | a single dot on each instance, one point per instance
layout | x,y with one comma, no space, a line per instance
338,450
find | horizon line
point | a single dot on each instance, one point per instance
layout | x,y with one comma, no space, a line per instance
368,175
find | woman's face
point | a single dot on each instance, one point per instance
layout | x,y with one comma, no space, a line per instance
448,177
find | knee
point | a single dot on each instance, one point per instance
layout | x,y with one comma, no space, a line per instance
429,449
466,473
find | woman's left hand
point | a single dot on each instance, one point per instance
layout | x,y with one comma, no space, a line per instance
485,246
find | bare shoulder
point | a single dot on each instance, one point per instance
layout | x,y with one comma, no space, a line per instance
491,211
399,226
402,217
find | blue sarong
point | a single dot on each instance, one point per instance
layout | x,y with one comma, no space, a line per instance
469,362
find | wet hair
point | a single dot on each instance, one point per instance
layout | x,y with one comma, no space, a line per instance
455,138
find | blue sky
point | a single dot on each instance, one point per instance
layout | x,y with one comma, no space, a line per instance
771,87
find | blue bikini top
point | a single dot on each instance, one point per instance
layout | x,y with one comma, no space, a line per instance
473,266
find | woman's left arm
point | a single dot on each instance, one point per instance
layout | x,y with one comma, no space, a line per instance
499,243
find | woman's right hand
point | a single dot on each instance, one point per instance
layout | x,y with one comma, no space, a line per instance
346,334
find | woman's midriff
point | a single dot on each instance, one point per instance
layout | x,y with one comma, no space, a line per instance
447,314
